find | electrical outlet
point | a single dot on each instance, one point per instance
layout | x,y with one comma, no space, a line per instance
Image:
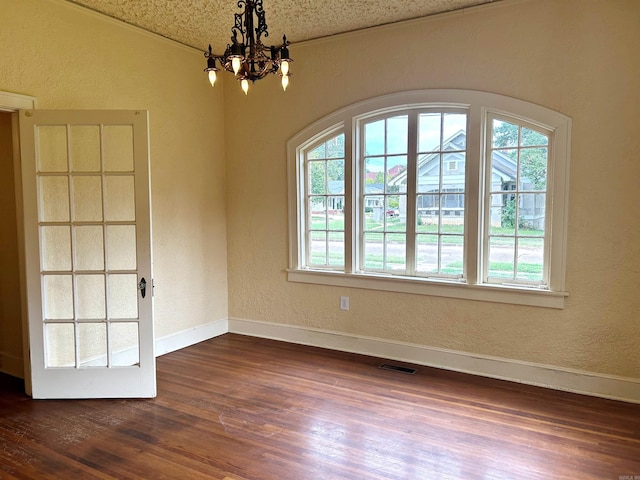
344,303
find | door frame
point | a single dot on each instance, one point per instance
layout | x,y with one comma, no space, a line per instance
12,102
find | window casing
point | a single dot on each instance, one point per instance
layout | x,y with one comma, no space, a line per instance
444,192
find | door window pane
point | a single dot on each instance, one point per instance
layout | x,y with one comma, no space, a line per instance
52,149
118,148
120,199
124,342
60,345
92,344
53,199
90,296
58,297
121,247
89,247
55,245
123,296
85,148
87,198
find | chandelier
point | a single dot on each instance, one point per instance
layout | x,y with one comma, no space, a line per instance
247,57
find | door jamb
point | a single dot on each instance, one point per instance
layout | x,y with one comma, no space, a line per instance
13,102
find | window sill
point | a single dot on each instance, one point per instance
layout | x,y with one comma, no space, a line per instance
439,288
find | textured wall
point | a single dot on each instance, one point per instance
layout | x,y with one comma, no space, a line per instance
575,56
73,59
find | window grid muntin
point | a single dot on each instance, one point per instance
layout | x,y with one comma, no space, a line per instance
378,202
518,147
325,197
444,150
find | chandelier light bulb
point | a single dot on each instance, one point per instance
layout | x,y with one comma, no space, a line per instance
236,63
245,85
285,82
284,68
212,77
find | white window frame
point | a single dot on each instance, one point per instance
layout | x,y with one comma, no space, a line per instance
480,107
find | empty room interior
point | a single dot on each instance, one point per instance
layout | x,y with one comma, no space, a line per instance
408,250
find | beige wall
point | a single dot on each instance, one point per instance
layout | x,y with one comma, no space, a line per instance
576,56
10,308
70,58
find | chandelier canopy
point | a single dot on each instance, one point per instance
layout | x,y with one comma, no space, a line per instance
247,57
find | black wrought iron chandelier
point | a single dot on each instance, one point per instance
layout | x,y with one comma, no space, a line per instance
260,60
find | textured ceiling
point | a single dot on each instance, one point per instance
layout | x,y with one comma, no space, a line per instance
198,23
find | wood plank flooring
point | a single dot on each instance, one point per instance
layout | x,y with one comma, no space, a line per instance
241,408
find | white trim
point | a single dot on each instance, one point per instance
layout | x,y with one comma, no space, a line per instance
191,336
479,105
577,381
419,286
11,365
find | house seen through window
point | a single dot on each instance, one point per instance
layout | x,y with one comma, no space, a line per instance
429,196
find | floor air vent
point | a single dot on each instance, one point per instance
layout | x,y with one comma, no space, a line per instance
397,368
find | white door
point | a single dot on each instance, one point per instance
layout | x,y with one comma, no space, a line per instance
85,178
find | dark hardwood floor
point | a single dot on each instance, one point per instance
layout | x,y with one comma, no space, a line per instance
239,408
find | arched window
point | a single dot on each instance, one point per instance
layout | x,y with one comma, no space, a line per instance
445,192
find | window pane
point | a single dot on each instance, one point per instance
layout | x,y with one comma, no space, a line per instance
336,248
318,248
397,134
90,296
395,181
395,251
118,148
374,138
120,198
55,244
501,257
504,134
503,216
427,253
87,198
317,213
373,253
374,175
335,176
394,222
452,255
60,344
53,199
124,344
533,169
429,173
531,214
52,148
530,259
92,344
89,247
123,296
429,132
317,153
531,138
85,148
454,128
335,147
58,297
317,178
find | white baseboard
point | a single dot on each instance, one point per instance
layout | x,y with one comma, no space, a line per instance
189,337
11,365
576,381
